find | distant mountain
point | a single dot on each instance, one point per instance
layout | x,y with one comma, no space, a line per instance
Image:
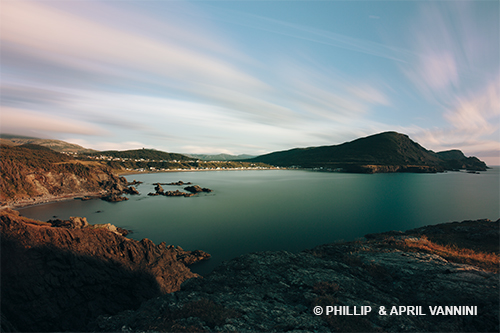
221,157
146,154
383,152
56,145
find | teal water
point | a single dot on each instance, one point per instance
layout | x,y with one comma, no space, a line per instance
286,209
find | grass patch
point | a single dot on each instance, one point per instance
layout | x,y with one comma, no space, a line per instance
480,235
14,214
453,253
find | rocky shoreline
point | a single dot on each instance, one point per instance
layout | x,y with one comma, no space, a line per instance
59,276
281,291
68,275
46,199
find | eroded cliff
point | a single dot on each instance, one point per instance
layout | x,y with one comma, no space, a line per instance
31,174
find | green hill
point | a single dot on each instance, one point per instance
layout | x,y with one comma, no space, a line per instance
221,157
146,154
383,152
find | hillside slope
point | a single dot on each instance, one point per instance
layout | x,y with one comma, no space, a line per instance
56,145
221,157
146,154
383,152
31,173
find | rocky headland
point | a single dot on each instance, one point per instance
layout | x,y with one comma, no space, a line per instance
278,291
382,152
60,275
32,174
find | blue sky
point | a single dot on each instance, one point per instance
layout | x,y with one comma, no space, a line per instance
252,76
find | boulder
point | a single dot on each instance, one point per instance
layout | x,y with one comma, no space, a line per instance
194,189
130,190
113,197
72,223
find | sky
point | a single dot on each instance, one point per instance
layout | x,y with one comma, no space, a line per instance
251,77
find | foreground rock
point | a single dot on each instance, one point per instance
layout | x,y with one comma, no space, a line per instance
277,292
61,278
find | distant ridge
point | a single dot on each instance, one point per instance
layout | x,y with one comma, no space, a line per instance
56,145
383,152
221,157
146,154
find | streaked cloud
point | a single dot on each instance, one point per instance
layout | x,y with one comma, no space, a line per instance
196,75
457,70
480,113
90,45
315,35
13,119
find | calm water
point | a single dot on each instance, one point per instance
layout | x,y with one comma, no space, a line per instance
286,209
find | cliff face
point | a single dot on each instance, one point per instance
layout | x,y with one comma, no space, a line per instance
59,279
279,291
32,174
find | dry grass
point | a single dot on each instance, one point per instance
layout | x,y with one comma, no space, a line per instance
83,162
453,253
14,214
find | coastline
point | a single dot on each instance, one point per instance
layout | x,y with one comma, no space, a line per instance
24,203
128,173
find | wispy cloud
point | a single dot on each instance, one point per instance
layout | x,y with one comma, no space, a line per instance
186,78
313,34
104,145
14,119
480,113
38,27
457,70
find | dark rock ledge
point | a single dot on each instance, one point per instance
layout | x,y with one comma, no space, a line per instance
192,190
60,276
115,191
277,291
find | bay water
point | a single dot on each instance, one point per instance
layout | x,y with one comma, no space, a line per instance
290,210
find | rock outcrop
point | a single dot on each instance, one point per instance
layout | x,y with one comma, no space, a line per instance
31,174
197,189
61,278
193,190
130,190
278,292
179,183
